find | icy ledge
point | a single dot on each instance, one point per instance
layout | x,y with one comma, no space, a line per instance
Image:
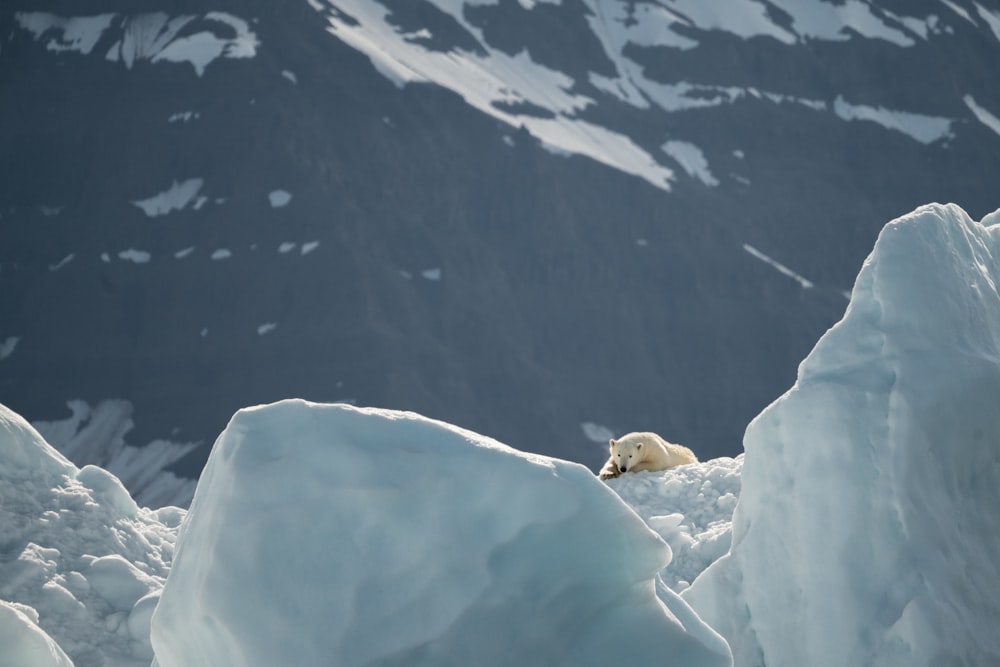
867,531
326,534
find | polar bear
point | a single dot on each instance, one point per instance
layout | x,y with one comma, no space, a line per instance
636,452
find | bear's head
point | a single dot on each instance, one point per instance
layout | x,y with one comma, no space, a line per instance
626,453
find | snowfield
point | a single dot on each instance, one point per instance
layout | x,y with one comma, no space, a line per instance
864,533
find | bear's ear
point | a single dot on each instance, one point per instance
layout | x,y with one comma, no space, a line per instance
639,446
612,443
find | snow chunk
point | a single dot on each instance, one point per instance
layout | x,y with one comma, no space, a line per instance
431,274
266,328
325,534
279,198
221,253
175,198
308,247
290,75
866,532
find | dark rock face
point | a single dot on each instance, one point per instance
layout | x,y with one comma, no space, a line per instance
291,222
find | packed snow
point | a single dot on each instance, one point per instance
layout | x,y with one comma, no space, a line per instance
864,532
867,532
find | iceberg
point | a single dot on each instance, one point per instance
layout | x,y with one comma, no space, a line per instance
867,530
327,534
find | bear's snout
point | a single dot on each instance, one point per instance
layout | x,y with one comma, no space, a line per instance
623,468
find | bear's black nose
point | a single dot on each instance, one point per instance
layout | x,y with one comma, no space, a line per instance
624,469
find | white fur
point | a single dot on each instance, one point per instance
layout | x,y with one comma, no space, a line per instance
636,452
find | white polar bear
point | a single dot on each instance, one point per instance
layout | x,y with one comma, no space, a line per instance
636,452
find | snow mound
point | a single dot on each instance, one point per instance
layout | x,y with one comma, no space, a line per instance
867,530
77,558
326,534
691,508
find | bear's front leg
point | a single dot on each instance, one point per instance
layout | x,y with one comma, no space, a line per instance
610,470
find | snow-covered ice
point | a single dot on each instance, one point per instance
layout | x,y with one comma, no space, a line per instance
326,534
691,508
867,530
77,558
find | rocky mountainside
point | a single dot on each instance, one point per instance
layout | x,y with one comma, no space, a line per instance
545,221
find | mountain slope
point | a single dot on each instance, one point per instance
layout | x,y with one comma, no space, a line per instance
616,215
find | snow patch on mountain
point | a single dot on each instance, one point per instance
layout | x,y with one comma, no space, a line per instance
925,129
495,84
8,345
691,159
781,268
62,34
175,198
992,19
135,256
279,198
982,115
157,37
